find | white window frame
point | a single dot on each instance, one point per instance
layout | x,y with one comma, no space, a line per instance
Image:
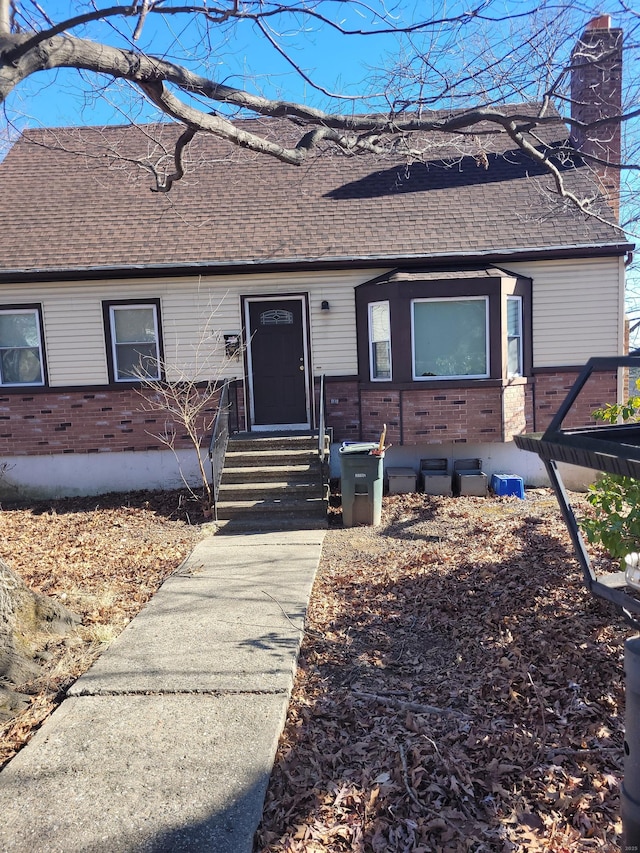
518,300
372,359
113,308
479,298
42,380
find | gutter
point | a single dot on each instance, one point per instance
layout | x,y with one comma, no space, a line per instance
323,263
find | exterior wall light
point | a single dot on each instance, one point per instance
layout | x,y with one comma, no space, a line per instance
325,305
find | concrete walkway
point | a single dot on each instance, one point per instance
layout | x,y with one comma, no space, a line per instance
167,743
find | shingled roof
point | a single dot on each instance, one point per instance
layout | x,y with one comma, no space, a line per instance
73,199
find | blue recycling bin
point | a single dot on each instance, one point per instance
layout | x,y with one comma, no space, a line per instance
508,484
361,474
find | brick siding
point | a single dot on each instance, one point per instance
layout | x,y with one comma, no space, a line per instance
552,388
379,408
79,422
461,416
415,417
342,409
96,421
517,412
465,415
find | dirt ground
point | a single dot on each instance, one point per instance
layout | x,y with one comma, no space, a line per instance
458,689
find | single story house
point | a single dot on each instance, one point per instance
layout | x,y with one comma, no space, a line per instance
453,300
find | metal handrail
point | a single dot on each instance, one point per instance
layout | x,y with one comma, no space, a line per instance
218,443
322,452
614,449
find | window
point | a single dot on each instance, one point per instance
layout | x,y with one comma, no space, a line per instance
514,336
135,341
379,341
455,327
450,338
21,352
276,317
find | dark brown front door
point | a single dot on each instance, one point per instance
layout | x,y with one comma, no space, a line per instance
277,362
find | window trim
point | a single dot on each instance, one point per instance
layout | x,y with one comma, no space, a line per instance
372,362
36,309
109,308
487,338
520,336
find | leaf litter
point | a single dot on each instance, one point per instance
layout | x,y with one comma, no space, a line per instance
102,557
458,689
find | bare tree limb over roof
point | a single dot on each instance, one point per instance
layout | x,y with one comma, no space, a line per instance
535,40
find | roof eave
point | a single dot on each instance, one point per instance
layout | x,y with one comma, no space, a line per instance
318,263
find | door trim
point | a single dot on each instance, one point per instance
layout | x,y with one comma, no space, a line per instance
279,297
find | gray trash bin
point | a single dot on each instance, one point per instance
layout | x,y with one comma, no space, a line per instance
361,475
469,479
435,478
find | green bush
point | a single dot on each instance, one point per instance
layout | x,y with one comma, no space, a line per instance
616,524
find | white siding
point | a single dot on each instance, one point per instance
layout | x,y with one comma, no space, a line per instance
577,313
196,313
578,309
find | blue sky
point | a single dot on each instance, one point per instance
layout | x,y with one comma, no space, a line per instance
243,57
343,64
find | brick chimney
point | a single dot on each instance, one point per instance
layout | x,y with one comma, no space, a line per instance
596,93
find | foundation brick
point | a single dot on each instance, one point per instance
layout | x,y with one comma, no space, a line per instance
113,420
82,424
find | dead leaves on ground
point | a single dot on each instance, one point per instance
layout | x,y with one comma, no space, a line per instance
460,691
101,557
473,607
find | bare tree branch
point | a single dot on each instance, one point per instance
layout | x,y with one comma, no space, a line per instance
204,104
144,11
298,68
5,17
164,185
187,396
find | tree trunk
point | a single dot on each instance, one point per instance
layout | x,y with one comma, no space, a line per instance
25,616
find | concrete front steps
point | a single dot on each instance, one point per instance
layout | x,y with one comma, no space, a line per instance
272,482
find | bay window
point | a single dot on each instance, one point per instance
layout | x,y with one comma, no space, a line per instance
453,327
